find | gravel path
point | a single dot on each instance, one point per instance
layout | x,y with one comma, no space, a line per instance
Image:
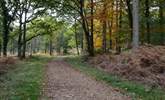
64,83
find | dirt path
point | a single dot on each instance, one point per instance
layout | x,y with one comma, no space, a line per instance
64,83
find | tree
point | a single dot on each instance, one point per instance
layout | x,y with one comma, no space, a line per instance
49,28
8,10
147,15
135,23
92,30
104,26
33,10
130,17
76,37
0,34
161,21
78,7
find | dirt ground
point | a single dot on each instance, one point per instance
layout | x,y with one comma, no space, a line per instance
62,82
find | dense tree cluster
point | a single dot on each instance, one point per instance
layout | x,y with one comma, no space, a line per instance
31,26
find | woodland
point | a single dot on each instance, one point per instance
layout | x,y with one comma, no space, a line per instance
121,42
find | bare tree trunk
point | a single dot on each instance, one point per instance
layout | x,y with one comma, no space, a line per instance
34,45
13,47
5,27
110,25
120,27
88,35
147,15
161,20
76,38
5,40
24,41
20,37
110,33
24,32
92,29
82,42
31,48
104,45
45,47
130,17
104,36
135,24
0,48
50,47
117,26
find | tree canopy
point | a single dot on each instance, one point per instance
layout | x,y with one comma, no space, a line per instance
86,26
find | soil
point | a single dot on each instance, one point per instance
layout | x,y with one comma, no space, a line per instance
62,82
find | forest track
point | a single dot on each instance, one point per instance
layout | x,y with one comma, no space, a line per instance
62,82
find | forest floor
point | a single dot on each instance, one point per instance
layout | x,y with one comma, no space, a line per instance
133,89
5,64
69,78
21,80
144,65
62,82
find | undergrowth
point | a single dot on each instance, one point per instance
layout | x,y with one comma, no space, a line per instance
135,90
25,81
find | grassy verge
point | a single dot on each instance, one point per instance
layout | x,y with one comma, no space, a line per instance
136,91
25,81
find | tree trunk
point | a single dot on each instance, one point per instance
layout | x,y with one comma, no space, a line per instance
20,38
5,40
5,27
104,36
45,48
13,47
82,42
88,35
50,47
31,48
147,15
92,29
104,28
117,26
34,45
135,24
130,17
161,21
24,41
120,28
110,25
76,38
24,36
0,49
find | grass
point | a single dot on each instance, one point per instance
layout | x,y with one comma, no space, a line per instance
25,81
135,90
